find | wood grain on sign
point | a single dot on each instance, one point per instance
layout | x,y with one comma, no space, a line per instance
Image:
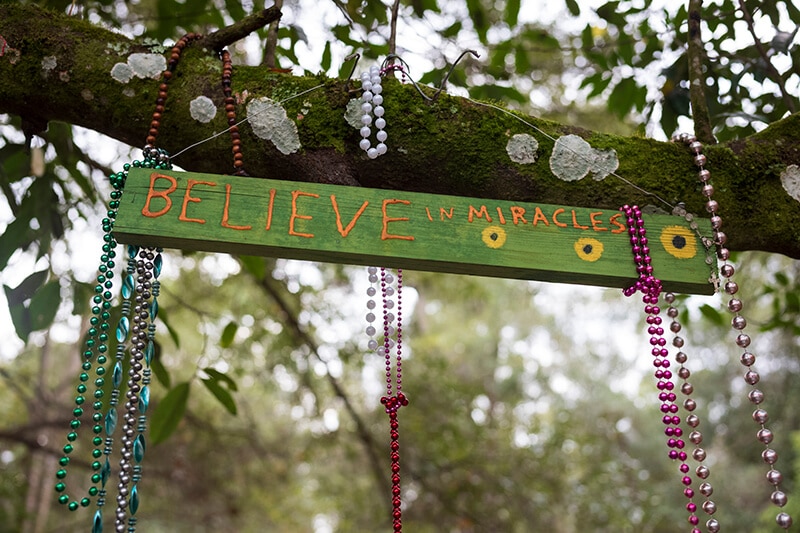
418,231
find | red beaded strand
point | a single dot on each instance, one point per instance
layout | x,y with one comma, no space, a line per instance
392,403
650,286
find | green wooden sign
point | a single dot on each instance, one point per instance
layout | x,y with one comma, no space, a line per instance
403,229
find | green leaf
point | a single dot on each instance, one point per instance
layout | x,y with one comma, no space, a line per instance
712,314
158,368
44,305
599,82
256,266
81,296
228,334
326,57
219,376
163,315
573,7
622,96
16,164
169,412
235,9
610,11
221,394
26,289
479,19
512,12
17,235
21,318
452,30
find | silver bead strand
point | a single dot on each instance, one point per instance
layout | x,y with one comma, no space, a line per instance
692,420
127,498
372,291
738,323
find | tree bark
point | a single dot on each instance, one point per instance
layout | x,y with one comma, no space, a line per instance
56,68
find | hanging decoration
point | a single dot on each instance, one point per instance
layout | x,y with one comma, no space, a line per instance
391,351
650,287
372,105
134,334
760,416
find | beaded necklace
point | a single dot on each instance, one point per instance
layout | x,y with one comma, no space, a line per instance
760,416
651,288
134,335
392,299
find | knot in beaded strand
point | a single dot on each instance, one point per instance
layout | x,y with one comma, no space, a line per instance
372,104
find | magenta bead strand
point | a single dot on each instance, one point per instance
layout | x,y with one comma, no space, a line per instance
650,287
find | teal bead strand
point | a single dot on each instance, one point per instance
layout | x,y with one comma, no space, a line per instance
94,357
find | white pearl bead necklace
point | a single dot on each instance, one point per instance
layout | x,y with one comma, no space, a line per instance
371,104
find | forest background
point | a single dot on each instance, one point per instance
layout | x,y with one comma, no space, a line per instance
533,405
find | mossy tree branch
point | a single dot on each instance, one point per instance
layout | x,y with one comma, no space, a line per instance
241,29
453,146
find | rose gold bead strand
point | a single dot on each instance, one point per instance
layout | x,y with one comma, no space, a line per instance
738,323
692,419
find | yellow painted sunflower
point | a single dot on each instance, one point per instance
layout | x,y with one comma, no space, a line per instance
493,236
679,242
588,249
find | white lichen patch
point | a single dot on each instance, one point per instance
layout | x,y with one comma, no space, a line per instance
140,66
147,65
353,113
573,159
122,72
605,162
49,64
202,109
790,179
269,121
127,91
523,149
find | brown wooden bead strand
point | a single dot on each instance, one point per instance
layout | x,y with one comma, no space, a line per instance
172,63
230,113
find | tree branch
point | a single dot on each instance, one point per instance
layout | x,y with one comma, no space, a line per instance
773,73
239,30
364,435
272,40
697,96
452,146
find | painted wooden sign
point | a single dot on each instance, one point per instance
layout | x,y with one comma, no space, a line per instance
403,229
